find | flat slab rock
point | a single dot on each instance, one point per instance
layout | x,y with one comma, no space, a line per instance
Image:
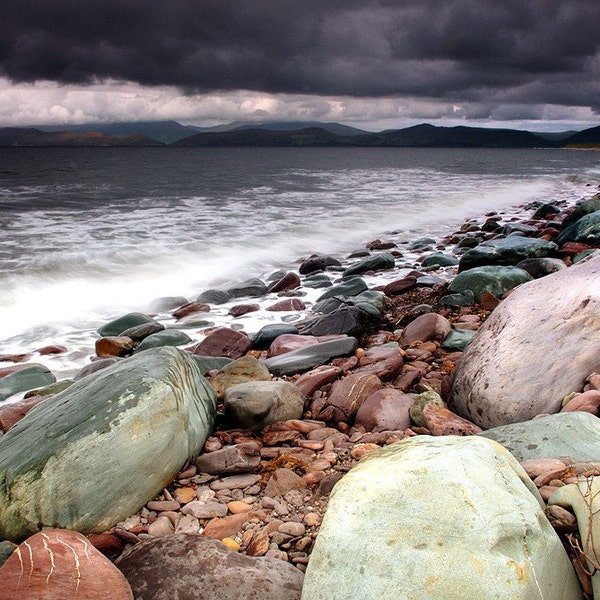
538,345
191,566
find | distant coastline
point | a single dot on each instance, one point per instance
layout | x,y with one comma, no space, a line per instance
301,134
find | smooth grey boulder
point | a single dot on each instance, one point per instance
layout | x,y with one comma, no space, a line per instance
119,325
505,251
345,320
317,280
303,359
318,263
267,334
494,279
252,287
25,379
97,452
438,517
517,228
189,566
377,262
350,287
138,332
538,345
572,434
167,337
214,296
256,404
439,259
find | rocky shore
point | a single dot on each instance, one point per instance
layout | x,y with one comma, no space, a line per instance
422,417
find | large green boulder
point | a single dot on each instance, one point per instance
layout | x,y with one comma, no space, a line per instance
98,451
494,279
505,251
432,518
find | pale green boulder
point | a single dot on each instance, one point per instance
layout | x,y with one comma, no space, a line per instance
573,434
438,518
97,452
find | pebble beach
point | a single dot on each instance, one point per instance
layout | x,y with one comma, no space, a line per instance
308,371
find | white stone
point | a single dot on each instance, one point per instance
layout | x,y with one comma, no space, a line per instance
537,346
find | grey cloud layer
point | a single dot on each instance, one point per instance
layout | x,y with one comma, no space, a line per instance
514,51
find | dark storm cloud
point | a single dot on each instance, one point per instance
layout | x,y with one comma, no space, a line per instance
541,51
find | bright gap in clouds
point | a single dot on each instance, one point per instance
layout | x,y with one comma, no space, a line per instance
47,103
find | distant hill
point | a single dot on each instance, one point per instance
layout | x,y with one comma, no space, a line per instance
587,137
417,136
459,137
165,132
293,134
336,128
29,136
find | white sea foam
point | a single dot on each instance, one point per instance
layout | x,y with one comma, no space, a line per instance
65,270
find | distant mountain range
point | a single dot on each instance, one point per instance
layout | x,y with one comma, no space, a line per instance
289,134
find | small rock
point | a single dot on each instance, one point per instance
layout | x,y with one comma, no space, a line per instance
282,481
224,342
441,421
162,526
234,482
239,458
202,510
292,528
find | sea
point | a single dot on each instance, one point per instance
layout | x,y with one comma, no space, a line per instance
88,234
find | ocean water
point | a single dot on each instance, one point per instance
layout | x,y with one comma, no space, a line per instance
88,234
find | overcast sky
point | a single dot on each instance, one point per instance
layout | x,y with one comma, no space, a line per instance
375,64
